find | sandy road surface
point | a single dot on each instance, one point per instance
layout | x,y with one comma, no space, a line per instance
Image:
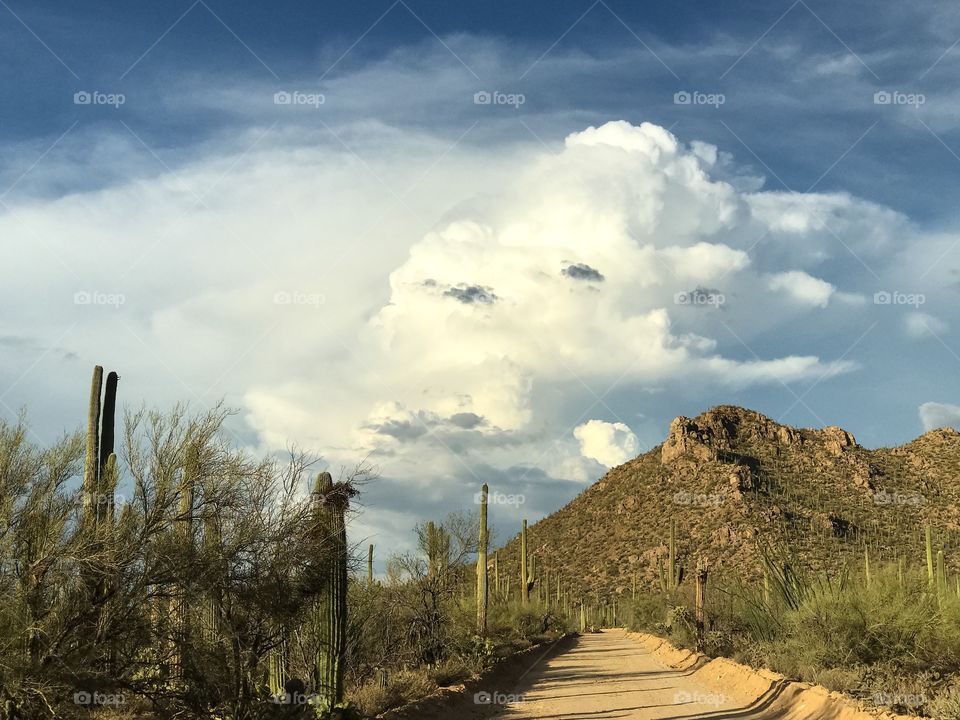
607,676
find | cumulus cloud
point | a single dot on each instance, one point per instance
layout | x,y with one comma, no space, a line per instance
921,325
935,415
802,287
667,212
608,443
544,279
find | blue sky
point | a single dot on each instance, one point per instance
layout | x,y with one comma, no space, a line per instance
421,243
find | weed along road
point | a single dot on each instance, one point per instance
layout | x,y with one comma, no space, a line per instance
608,675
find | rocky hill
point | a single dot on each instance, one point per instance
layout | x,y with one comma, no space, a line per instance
736,482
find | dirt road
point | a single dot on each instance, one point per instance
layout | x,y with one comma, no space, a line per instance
610,676
607,675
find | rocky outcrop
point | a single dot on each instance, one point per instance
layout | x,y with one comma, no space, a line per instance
689,438
837,439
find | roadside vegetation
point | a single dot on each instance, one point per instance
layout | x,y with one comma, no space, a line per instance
153,568
889,636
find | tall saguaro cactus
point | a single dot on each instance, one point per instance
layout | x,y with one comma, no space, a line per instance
482,590
99,476
672,560
928,537
181,616
524,587
91,464
332,502
370,565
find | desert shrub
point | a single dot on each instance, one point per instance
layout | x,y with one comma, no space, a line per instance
647,613
945,705
840,626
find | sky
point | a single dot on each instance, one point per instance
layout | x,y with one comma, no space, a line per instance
481,242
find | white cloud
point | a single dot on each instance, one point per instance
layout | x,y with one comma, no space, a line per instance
608,443
802,287
921,325
448,327
935,415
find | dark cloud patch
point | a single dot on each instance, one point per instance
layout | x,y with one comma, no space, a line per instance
28,344
466,420
472,294
402,430
429,282
580,271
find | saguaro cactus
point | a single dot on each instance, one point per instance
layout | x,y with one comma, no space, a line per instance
941,572
332,502
928,537
106,441
370,565
583,617
436,542
181,615
91,464
99,481
524,587
482,590
672,559
700,601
